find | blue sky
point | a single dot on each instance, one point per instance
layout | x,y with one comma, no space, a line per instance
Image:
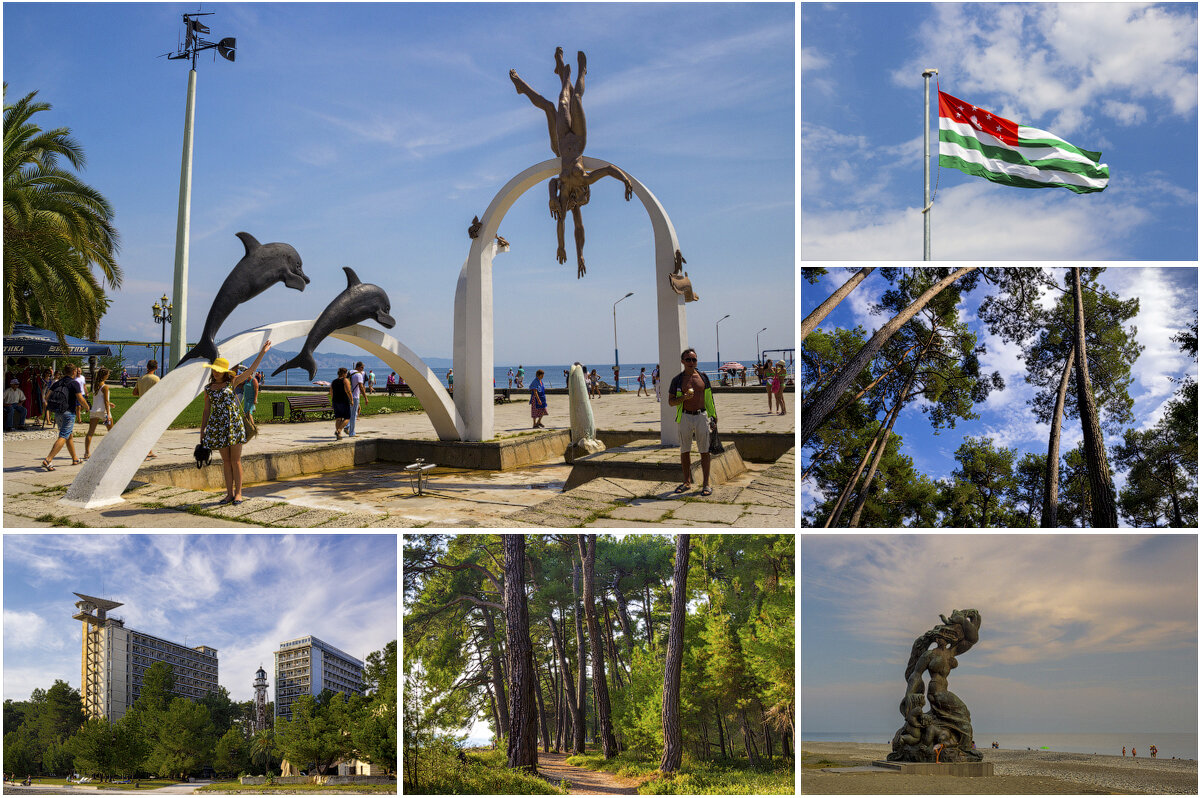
240,594
1115,77
369,135
1079,632
1167,297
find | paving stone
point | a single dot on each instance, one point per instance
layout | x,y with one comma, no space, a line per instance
697,524
652,511
187,497
30,506
148,489
352,521
569,500
752,521
768,499
238,510
171,491
395,522
712,513
617,523
567,508
274,514
758,509
722,494
550,520
308,520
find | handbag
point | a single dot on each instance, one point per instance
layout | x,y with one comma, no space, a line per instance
202,454
714,441
251,427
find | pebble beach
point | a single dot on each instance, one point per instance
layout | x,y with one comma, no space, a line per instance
1017,773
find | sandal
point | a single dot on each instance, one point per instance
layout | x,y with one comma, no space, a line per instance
47,467
706,491
76,462
683,489
226,500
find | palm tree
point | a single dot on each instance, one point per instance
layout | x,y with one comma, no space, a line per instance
262,748
56,227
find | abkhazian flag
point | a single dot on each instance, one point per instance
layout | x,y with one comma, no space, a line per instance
980,143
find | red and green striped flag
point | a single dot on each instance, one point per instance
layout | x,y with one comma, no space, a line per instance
980,143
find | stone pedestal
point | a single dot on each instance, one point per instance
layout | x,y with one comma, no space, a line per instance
939,769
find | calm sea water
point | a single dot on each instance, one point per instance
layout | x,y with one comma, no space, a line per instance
554,374
1181,745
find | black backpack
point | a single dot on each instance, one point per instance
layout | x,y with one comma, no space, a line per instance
60,395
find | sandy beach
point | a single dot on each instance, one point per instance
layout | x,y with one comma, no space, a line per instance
1017,773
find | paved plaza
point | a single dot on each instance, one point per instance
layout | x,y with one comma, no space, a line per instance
379,495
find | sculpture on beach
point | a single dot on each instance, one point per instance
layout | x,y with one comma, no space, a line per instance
583,423
359,302
679,280
944,733
571,190
261,267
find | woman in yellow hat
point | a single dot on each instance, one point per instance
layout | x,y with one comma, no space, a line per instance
221,427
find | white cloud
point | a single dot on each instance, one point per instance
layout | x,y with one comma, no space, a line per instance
1058,65
29,630
810,59
977,220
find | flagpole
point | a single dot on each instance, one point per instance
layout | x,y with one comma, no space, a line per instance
927,74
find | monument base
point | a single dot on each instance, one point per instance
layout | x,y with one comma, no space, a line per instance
939,769
652,462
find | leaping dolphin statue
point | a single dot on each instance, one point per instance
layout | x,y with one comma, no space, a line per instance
359,302
261,267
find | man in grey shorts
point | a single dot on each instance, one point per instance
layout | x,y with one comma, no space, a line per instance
691,396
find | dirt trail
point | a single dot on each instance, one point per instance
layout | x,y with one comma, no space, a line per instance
555,768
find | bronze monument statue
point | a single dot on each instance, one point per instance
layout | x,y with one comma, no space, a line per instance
944,733
571,190
679,280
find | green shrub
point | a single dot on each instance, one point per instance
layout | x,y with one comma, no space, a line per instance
439,772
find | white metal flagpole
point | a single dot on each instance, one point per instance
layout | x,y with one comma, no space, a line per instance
925,211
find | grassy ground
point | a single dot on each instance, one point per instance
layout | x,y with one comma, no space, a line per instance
485,773
190,418
143,784
730,777
227,787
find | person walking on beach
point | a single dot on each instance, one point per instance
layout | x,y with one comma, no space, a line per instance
371,381
537,400
616,379
65,398
510,377
777,386
654,379
642,383
450,381
145,383
46,381
520,376
100,411
691,395
124,378
357,395
768,374
1134,750
339,397
221,427
1154,752
1122,750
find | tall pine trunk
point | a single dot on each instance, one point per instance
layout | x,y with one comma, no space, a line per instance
816,412
587,551
1104,505
565,670
672,732
720,728
649,620
581,662
623,614
542,716
522,737
1050,502
825,308
497,675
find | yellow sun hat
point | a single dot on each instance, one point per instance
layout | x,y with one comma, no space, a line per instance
220,364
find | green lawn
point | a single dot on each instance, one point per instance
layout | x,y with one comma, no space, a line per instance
190,417
227,787
143,784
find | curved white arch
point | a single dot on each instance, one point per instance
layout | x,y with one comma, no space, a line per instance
473,304
122,451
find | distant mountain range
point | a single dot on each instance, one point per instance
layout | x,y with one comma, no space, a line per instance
138,355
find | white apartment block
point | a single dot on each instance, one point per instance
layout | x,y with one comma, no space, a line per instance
308,665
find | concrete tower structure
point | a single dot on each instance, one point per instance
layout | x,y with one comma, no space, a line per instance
115,659
260,699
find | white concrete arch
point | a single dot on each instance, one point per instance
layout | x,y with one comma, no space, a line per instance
122,451
473,305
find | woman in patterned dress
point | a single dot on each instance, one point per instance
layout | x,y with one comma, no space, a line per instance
221,427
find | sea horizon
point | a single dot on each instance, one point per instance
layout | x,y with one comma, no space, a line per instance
1181,745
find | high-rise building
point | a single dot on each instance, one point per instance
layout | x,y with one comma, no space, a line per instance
114,660
308,665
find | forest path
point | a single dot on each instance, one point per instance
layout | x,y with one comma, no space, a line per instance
555,768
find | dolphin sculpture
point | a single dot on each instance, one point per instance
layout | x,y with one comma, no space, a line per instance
261,267
359,302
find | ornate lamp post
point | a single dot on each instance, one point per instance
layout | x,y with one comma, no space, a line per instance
719,363
616,355
162,315
757,350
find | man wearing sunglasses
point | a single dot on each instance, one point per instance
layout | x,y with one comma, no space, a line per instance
691,396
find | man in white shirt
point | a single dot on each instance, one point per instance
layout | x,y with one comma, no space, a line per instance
14,406
356,392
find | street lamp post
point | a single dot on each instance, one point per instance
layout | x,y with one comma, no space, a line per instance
757,350
162,315
719,363
616,353
193,45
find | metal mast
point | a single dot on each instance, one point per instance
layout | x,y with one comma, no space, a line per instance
928,73
193,44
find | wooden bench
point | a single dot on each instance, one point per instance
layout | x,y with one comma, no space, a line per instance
396,388
300,406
